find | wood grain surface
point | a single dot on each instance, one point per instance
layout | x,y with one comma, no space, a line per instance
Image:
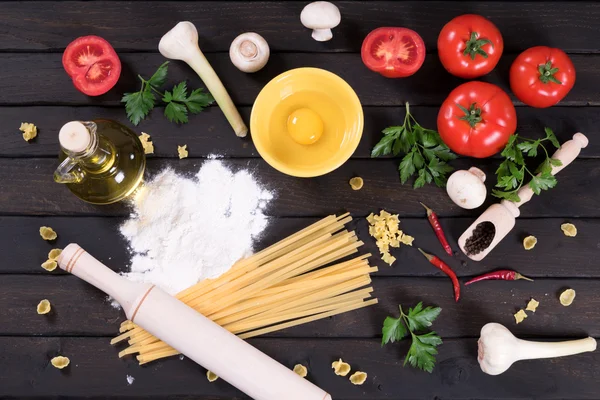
35,88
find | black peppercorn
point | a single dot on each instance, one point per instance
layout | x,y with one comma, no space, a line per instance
481,238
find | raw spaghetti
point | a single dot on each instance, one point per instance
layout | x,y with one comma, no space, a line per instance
292,282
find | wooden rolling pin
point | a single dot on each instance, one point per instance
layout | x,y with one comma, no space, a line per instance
192,334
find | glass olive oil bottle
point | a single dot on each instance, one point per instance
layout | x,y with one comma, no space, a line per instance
102,161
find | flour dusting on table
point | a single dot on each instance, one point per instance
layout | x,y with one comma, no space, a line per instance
183,230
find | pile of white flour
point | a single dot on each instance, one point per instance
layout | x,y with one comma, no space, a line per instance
183,230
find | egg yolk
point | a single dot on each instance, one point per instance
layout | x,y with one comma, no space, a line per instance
305,126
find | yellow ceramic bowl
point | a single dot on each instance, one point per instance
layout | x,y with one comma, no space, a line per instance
323,92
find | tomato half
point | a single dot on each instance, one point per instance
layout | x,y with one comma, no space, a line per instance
393,52
470,46
93,65
542,76
477,119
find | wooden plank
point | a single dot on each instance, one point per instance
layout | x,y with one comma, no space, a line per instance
27,188
555,255
210,133
78,309
95,371
45,74
139,25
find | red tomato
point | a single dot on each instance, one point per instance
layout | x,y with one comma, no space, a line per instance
393,52
477,119
542,76
470,46
93,65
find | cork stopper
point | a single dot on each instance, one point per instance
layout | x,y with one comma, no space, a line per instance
74,137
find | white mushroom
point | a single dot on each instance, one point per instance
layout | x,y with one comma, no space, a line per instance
466,188
321,17
499,348
249,52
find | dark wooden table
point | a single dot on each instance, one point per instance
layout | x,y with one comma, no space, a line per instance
34,88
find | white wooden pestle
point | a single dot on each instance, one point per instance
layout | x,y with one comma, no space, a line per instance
192,334
503,214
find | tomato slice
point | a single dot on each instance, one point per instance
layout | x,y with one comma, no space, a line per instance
393,52
93,65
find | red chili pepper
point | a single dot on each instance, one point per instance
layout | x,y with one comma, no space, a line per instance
503,274
437,228
445,269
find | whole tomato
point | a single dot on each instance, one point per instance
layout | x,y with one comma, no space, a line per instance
470,46
477,119
542,76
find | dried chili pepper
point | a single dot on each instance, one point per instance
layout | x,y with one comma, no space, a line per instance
445,269
503,274
437,228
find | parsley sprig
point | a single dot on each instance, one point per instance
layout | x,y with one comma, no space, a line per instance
512,171
424,152
139,104
423,349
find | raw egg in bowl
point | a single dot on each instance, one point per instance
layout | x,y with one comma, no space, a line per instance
306,122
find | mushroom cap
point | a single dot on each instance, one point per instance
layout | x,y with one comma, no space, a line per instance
320,15
466,188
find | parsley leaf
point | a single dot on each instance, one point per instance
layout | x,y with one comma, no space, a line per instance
512,171
423,348
139,104
424,152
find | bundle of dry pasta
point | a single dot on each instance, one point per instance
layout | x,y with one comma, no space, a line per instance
290,283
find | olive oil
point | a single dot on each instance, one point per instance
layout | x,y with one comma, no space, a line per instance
102,161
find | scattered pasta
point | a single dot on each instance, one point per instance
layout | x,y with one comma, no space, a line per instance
211,376
43,307
385,229
60,362
50,265
340,368
54,253
301,370
356,183
358,378
182,150
569,230
47,233
146,143
520,316
566,298
532,305
29,131
529,242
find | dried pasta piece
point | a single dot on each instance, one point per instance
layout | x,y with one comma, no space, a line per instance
50,265
385,229
529,242
569,230
520,316
182,150
388,258
47,233
340,368
60,362
301,370
407,239
566,298
29,130
358,378
44,307
147,143
356,183
532,305
211,376
54,253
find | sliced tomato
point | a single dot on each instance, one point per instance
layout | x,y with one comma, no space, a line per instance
93,65
393,52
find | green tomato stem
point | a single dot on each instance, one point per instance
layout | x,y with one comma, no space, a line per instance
474,45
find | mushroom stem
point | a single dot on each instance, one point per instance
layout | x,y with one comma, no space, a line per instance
181,43
322,35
